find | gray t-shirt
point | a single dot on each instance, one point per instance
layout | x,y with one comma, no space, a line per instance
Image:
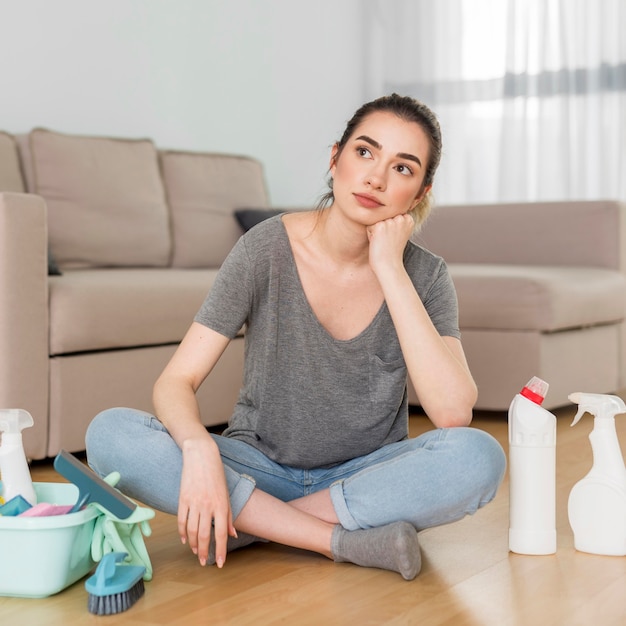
309,400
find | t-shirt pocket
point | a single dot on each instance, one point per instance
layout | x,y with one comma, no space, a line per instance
387,384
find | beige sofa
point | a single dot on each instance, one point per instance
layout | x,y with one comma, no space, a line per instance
139,234
542,292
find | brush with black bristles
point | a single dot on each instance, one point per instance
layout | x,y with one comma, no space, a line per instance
114,588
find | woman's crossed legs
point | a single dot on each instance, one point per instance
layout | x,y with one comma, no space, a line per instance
366,510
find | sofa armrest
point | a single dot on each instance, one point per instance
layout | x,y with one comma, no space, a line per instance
572,233
24,313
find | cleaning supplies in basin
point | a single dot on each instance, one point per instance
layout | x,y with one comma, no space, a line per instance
14,507
46,509
532,472
91,487
16,480
40,556
597,503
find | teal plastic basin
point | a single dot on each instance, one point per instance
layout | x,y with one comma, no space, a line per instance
40,556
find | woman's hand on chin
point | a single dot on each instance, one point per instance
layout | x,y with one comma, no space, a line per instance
388,239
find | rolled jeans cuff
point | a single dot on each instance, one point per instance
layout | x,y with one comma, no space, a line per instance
341,508
241,487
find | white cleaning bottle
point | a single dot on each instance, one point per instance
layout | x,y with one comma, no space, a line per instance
16,480
532,472
597,503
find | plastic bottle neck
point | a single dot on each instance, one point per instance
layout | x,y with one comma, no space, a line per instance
11,439
604,423
607,454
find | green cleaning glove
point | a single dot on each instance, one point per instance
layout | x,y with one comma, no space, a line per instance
112,534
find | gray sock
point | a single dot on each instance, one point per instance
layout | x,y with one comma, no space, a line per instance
234,543
394,547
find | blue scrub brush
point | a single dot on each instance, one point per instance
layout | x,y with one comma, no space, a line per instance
114,587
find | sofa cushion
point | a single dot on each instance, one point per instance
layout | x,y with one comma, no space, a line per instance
10,175
203,190
106,204
123,308
523,297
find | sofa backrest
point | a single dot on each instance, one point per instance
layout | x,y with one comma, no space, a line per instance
121,203
571,233
203,191
10,174
105,197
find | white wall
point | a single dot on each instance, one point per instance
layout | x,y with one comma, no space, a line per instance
274,79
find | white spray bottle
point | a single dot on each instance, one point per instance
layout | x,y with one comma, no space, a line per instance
532,472
16,480
597,503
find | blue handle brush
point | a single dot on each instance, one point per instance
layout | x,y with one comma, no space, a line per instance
91,488
114,587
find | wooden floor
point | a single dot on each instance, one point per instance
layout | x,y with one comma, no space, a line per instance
468,576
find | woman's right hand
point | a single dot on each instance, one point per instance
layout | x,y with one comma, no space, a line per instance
204,503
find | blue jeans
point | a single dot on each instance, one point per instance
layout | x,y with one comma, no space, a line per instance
436,478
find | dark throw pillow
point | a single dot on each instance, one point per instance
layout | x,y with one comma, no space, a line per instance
53,268
248,218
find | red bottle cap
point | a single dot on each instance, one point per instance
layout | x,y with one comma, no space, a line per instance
535,390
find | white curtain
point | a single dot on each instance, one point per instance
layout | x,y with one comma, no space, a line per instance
530,94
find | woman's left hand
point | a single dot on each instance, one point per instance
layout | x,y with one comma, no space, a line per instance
388,240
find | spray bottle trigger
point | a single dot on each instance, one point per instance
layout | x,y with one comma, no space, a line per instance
581,411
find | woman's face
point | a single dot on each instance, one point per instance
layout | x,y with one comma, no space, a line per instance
380,170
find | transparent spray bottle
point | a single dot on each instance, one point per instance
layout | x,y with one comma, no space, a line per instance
597,503
532,472
16,479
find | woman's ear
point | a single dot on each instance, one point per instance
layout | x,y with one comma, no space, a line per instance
334,153
420,196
